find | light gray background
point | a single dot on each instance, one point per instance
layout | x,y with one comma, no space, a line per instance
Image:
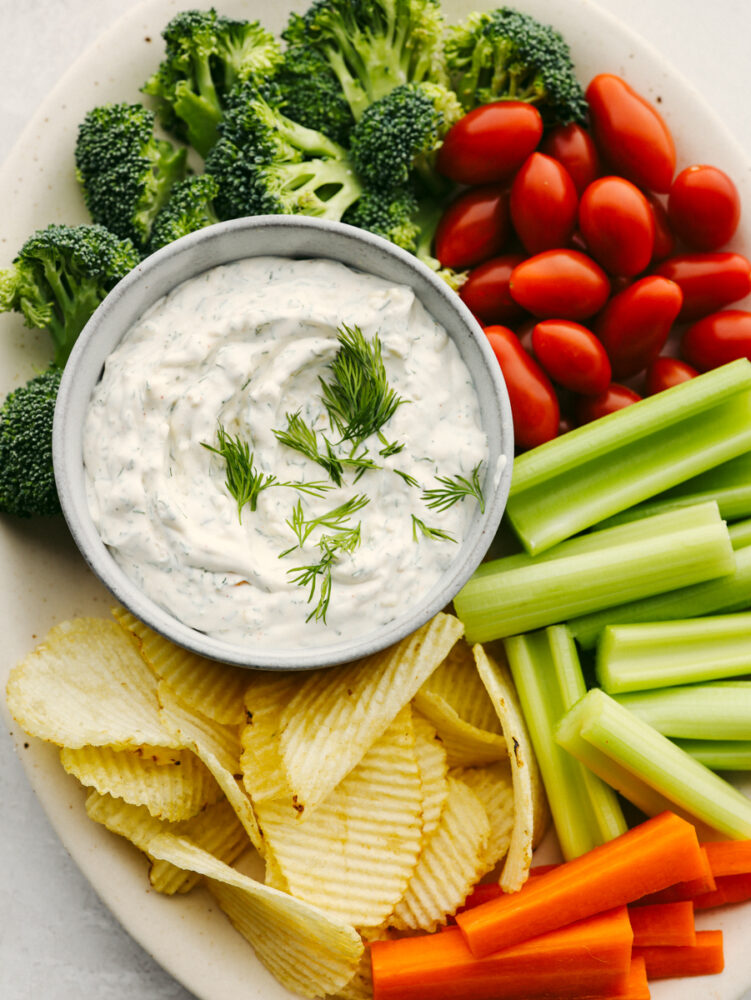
57,941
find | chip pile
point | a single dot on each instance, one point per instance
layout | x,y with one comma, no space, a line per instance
377,793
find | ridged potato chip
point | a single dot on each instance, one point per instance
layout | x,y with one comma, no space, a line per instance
266,698
457,682
494,787
355,853
173,791
215,689
86,684
433,768
308,951
337,714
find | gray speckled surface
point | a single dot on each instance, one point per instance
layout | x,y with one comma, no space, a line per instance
57,941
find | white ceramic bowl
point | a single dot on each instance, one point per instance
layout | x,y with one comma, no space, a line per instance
285,236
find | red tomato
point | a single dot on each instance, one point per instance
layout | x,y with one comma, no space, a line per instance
708,281
490,143
617,225
560,284
664,239
717,339
473,228
572,356
614,398
486,290
630,133
534,404
573,147
704,208
666,372
635,324
543,204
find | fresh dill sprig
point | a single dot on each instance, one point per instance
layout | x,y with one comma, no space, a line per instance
409,480
389,447
302,527
359,400
302,438
455,488
330,546
243,481
435,533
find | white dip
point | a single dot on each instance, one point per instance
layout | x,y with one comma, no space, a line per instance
244,345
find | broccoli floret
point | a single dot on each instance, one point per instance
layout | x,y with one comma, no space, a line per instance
189,209
388,215
264,163
401,132
126,173
60,276
373,45
207,55
27,482
508,55
311,95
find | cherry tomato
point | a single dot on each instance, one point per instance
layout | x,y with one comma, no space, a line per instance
572,356
704,207
664,239
666,372
473,228
486,292
717,339
573,147
490,143
543,204
708,281
560,284
618,225
614,398
534,404
631,133
635,324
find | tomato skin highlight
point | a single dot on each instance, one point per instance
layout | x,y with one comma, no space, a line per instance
704,207
560,284
630,133
474,227
666,372
574,148
708,281
664,243
543,204
572,356
617,225
486,290
490,142
717,339
636,323
615,397
534,404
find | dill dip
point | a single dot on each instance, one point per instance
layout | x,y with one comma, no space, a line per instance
240,351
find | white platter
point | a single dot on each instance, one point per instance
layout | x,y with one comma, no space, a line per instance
44,580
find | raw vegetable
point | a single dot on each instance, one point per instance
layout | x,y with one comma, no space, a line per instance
573,147
695,711
717,339
663,924
704,207
543,204
474,227
635,324
704,958
572,356
486,290
728,889
614,398
490,143
665,372
560,284
189,209
617,224
719,755
709,281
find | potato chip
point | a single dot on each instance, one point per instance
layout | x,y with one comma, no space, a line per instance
87,685
215,689
453,859
457,682
337,714
308,952
355,853
266,697
465,745
530,807
169,791
493,786
433,768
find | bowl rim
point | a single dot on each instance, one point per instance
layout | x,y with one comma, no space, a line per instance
186,258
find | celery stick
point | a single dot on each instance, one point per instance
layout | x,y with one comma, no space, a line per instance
740,533
595,471
549,680
695,711
664,654
719,755
520,593
723,594
600,722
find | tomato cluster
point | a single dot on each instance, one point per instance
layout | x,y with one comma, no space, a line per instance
586,252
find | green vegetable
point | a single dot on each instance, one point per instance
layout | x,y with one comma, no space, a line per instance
436,534
647,768
506,55
740,533
310,93
189,209
519,593
662,654
549,681
695,711
27,480
388,214
207,55
595,471
719,755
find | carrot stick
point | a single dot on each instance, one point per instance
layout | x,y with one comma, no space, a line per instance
729,857
705,958
690,889
591,958
649,857
663,924
729,889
